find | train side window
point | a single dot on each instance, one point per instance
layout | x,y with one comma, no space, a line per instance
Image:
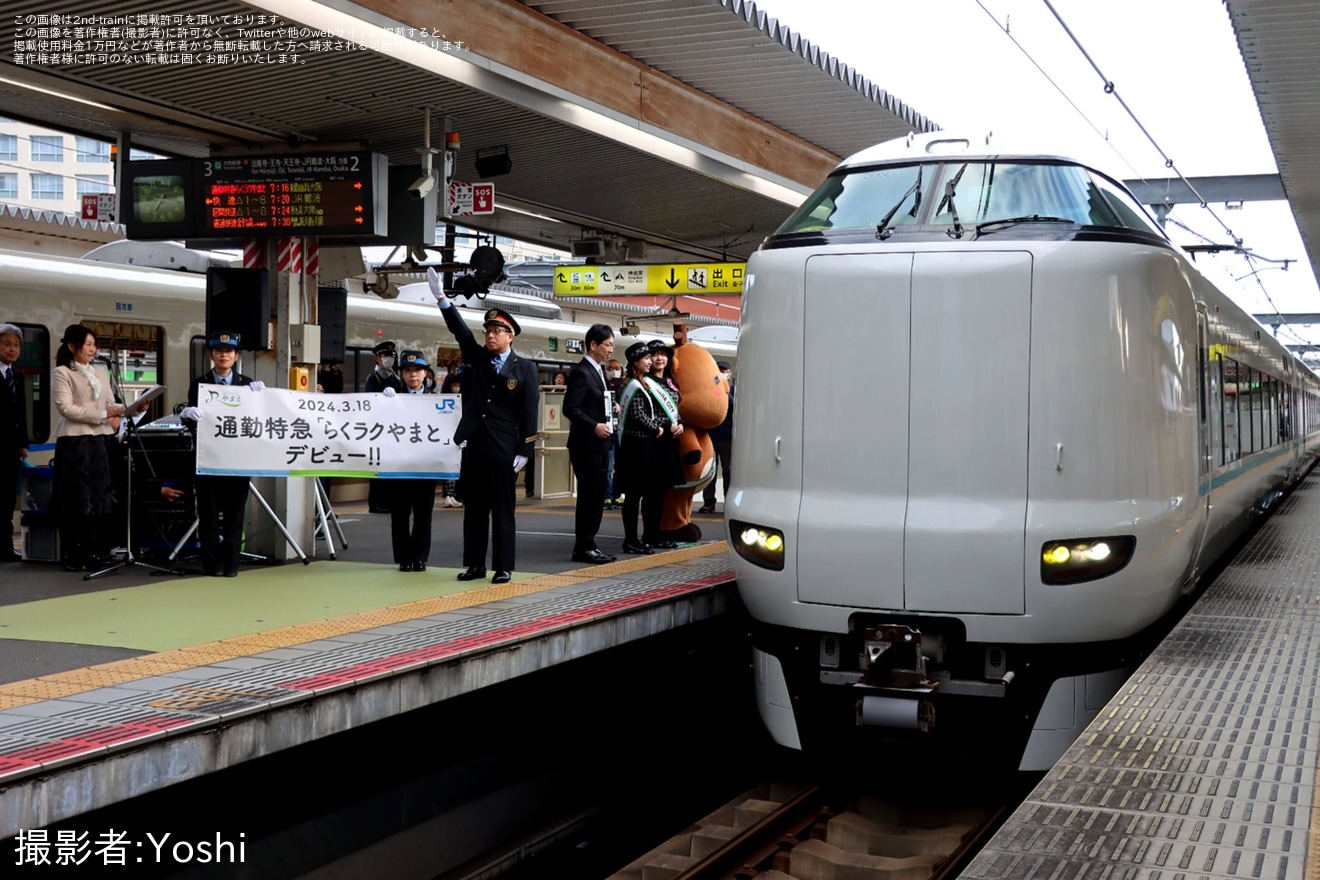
34,366
198,360
358,364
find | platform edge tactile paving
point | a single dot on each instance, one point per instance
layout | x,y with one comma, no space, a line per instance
345,659
1204,764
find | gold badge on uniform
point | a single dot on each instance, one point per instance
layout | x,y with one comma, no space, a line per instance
512,383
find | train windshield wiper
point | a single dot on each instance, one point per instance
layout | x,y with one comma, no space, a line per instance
951,190
882,228
1026,218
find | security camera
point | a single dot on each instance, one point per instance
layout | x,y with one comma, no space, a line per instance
421,187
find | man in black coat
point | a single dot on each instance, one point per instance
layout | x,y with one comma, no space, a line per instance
220,500
590,412
496,431
13,424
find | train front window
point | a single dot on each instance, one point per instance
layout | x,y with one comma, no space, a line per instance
863,198
991,197
990,192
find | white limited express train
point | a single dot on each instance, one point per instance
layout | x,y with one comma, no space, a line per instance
992,426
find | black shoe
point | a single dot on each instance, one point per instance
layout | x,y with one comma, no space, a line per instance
471,573
706,508
419,566
379,509
637,547
662,544
595,557
231,572
502,577
74,566
12,557
405,566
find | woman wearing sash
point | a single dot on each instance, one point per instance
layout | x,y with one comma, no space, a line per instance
648,455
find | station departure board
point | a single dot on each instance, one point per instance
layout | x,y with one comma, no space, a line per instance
326,194
330,194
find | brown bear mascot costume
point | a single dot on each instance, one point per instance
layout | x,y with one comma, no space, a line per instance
703,402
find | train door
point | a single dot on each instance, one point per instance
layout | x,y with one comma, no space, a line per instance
916,426
967,473
1206,426
855,427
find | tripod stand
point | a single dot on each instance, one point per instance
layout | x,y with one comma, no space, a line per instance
252,490
131,436
326,517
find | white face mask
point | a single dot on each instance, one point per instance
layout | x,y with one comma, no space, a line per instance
615,374
387,362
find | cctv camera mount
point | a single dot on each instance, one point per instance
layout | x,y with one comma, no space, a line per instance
422,186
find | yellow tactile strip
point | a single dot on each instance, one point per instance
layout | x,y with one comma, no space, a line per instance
76,681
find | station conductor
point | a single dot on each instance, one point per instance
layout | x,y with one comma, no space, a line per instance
496,433
220,500
13,423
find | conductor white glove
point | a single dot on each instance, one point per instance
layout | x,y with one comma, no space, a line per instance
191,413
433,280
257,385
388,391
519,462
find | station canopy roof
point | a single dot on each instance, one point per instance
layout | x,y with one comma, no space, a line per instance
694,126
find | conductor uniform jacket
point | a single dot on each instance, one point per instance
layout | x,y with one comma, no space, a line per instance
220,501
499,410
498,423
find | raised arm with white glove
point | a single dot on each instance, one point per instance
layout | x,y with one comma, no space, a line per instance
191,413
433,280
388,391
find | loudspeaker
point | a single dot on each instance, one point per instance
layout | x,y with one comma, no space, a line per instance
332,313
493,164
238,301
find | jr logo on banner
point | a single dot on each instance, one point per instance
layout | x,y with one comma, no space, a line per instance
276,433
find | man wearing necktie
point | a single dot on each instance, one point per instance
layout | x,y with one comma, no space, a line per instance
496,431
590,412
221,501
13,425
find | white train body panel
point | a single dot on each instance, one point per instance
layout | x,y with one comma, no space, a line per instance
919,415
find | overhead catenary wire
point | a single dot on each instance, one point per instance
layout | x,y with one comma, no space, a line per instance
1111,89
1058,88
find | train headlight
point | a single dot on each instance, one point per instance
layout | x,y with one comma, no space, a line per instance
1084,559
759,545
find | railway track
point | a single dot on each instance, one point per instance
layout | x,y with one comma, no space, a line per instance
781,831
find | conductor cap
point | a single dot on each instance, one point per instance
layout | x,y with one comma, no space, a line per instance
386,347
223,339
499,317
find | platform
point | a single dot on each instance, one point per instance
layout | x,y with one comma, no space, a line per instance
142,681
1203,765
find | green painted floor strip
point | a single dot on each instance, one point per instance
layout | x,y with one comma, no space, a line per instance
178,612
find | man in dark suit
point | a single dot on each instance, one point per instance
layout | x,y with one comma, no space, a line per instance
220,500
496,431
590,412
13,425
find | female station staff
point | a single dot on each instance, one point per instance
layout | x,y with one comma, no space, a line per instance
411,499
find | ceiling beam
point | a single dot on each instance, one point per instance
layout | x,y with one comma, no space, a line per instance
1226,188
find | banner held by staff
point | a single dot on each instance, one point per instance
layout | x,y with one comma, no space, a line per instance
277,433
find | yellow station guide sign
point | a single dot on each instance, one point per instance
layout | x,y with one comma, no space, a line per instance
687,279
